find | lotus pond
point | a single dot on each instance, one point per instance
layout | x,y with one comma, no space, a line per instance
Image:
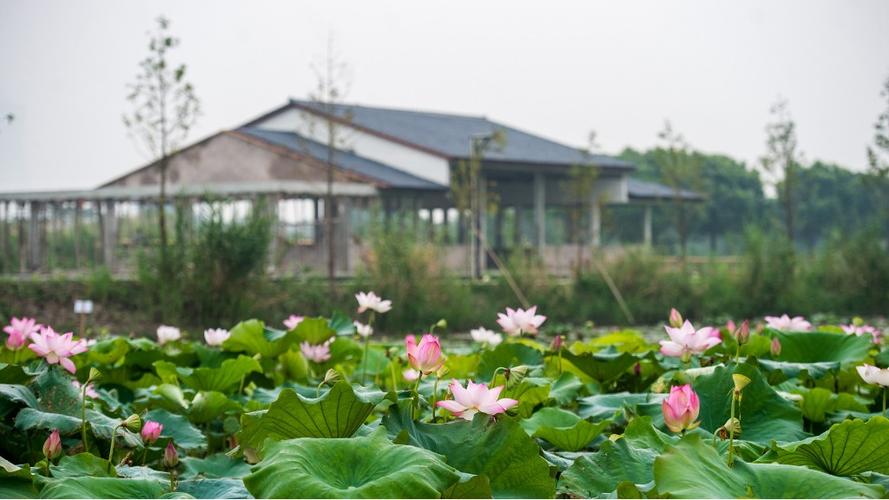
323,408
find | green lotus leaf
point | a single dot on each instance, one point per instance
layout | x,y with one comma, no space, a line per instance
103,427
566,388
816,347
82,464
693,469
57,393
604,406
846,449
15,481
254,338
101,487
341,324
793,370
211,405
766,416
336,414
29,418
213,488
530,393
214,467
628,459
361,467
314,330
220,379
108,351
502,451
462,366
469,486
507,355
184,434
603,366
565,430
19,394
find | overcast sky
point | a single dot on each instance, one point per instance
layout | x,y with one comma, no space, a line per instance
559,69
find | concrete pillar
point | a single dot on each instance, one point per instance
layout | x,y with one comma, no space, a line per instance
646,226
78,208
481,260
539,212
34,235
22,237
595,222
446,225
343,242
109,233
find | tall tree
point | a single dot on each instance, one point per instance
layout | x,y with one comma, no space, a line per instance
680,170
782,159
332,83
878,156
165,107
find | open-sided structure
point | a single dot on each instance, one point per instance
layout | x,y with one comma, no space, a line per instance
396,167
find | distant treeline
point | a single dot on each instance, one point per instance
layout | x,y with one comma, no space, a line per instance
829,200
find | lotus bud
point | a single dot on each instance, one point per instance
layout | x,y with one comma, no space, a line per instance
740,381
52,447
675,318
637,369
743,333
442,323
776,347
151,431
331,377
681,409
94,375
171,456
557,343
730,326
133,423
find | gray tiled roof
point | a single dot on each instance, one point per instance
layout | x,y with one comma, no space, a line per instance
388,176
449,135
644,190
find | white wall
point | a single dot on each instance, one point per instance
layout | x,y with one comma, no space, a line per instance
405,158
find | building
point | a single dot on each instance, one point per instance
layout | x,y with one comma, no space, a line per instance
396,167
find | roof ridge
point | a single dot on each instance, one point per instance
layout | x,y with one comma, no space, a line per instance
292,100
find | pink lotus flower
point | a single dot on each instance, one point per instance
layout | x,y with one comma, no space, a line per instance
317,353
167,334
475,398
151,431
216,336
788,324
362,329
424,357
874,375
55,348
411,375
518,321
370,301
681,409
52,447
686,341
484,336
293,321
90,391
20,331
859,330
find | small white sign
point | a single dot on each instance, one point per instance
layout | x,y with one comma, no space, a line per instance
83,306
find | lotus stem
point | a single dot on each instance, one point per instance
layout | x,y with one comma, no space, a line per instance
86,446
145,454
370,323
435,397
111,451
731,433
394,377
416,403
